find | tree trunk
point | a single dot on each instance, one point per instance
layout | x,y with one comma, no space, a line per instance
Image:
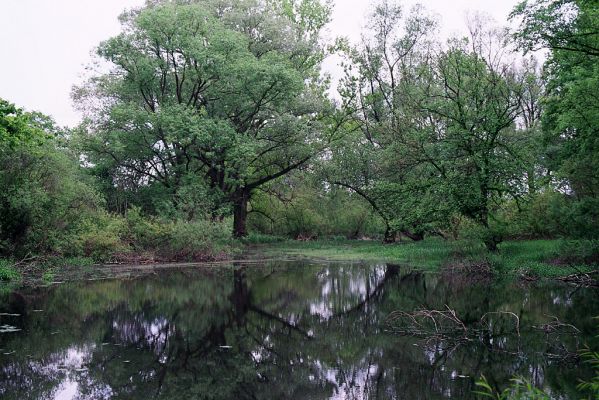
389,236
240,213
417,237
492,242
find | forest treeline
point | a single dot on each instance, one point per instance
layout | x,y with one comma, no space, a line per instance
211,119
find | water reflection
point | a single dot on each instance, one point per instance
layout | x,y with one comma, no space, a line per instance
284,331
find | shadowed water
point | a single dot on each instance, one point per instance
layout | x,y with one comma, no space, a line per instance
287,331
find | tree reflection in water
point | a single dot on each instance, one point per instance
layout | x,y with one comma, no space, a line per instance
289,330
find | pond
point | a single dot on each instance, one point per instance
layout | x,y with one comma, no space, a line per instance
291,330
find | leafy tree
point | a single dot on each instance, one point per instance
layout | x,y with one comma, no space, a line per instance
474,99
559,25
44,194
226,91
570,30
16,127
366,163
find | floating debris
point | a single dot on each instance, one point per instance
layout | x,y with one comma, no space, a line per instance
3,314
8,329
37,310
226,347
54,333
9,353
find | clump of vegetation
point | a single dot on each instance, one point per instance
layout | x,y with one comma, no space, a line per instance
8,271
39,172
592,386
521,389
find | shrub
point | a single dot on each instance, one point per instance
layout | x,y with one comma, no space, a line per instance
98,236
199,240
144,233
551,215
579,251
8,272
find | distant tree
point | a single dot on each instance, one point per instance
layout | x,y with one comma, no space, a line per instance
374,89
474,99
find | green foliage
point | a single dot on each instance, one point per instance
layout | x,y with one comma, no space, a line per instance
108,237
579,252
372,160
16,127
439,129
570,30
560,25
98,236
199,240
261,238
592,386
211,114
44,194
208,94
521,389
302,208
8,272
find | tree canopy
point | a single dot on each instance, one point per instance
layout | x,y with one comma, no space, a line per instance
229,94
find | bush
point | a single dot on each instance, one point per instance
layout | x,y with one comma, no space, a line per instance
579,252
551,215
144,233
97,235
199,240
44,198
109,237
8,272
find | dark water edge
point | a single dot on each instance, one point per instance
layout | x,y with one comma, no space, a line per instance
296,330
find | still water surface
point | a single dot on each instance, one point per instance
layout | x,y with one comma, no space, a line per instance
287,330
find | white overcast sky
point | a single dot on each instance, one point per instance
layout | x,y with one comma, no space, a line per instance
47,43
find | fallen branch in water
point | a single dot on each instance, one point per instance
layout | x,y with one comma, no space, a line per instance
585,279
484,317
557,326
427,323
443,330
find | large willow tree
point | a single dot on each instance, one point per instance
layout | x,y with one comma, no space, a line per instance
225,91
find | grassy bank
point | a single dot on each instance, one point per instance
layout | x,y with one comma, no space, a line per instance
532,258
543,258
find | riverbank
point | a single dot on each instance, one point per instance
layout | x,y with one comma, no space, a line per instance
530,258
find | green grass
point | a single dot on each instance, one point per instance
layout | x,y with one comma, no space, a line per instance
8,272
531,257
